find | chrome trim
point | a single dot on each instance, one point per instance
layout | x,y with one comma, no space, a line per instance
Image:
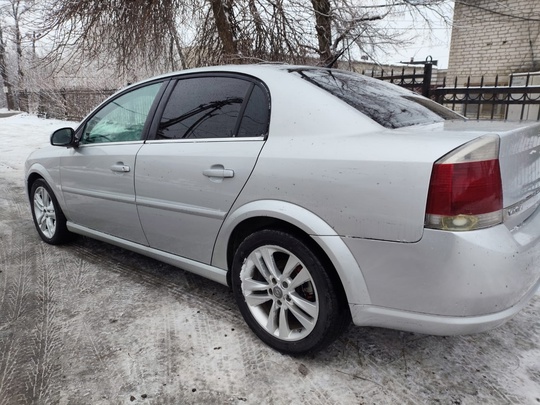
88,145
524,208
523,205
207,140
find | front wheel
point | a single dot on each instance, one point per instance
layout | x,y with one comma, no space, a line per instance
48,217
286,294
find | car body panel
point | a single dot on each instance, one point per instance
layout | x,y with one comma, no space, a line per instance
519,159
476,273
419,322
325,236
368,185
182,209
97,193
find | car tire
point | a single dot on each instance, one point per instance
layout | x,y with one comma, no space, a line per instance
285,293
48,217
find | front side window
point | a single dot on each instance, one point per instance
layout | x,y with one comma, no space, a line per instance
213,107
122,119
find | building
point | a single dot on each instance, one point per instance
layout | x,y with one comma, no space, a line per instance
491,38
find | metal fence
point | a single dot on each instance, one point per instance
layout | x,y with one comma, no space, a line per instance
415,80
518,100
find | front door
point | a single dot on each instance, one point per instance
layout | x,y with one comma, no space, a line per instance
97,178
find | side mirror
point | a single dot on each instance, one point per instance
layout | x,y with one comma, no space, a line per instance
63,137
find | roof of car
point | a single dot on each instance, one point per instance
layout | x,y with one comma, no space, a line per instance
253,69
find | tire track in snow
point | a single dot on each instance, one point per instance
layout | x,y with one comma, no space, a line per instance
17,323
210,299
47,343
20,289
14,200
14,295
8,366
91,372
192,290
168,358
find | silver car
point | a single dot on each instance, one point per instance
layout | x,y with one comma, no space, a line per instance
318,195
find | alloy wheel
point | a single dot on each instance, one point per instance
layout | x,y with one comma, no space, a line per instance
280,293
45,212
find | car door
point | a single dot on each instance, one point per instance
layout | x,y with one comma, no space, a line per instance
97,177
205,147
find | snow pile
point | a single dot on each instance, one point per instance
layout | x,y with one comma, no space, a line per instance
20,135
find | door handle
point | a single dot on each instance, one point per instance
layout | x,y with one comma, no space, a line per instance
120,168
218,171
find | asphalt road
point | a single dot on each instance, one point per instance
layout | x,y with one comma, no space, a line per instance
88,323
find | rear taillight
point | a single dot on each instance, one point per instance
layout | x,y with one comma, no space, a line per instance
465,191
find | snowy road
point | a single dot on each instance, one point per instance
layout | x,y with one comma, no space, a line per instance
89,323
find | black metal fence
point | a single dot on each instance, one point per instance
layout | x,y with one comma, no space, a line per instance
412,79
517,100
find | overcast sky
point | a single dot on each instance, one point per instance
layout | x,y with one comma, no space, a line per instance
431,41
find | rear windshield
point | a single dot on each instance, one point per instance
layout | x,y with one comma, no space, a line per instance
385,103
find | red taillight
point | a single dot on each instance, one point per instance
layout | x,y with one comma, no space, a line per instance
465,188
465,191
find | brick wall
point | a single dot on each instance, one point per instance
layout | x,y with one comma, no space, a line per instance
494,38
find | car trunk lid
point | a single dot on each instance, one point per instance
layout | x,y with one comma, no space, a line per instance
519,161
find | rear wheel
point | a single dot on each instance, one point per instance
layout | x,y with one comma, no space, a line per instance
285,294
48,217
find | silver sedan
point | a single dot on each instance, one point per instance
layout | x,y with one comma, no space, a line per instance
318,195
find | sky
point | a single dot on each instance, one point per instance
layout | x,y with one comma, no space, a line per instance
431,41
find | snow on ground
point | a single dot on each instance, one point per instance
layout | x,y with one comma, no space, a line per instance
89,323
20,135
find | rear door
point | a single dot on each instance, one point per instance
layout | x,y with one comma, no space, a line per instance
205,147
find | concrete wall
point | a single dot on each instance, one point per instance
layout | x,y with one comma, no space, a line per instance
494,38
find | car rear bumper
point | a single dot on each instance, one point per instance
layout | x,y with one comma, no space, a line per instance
448,282
369,315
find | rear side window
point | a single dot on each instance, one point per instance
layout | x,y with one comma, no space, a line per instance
214,107
255,118
385,103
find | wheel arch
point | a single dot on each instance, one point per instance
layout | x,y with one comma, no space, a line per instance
36,172
32,177
313,230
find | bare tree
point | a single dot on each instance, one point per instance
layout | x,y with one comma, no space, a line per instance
14,13
6,85
125,34
158,34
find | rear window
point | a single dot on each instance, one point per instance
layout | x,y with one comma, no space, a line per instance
385,103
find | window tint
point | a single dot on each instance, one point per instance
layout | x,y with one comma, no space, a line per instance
122,119
255,117
203,107
385,103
